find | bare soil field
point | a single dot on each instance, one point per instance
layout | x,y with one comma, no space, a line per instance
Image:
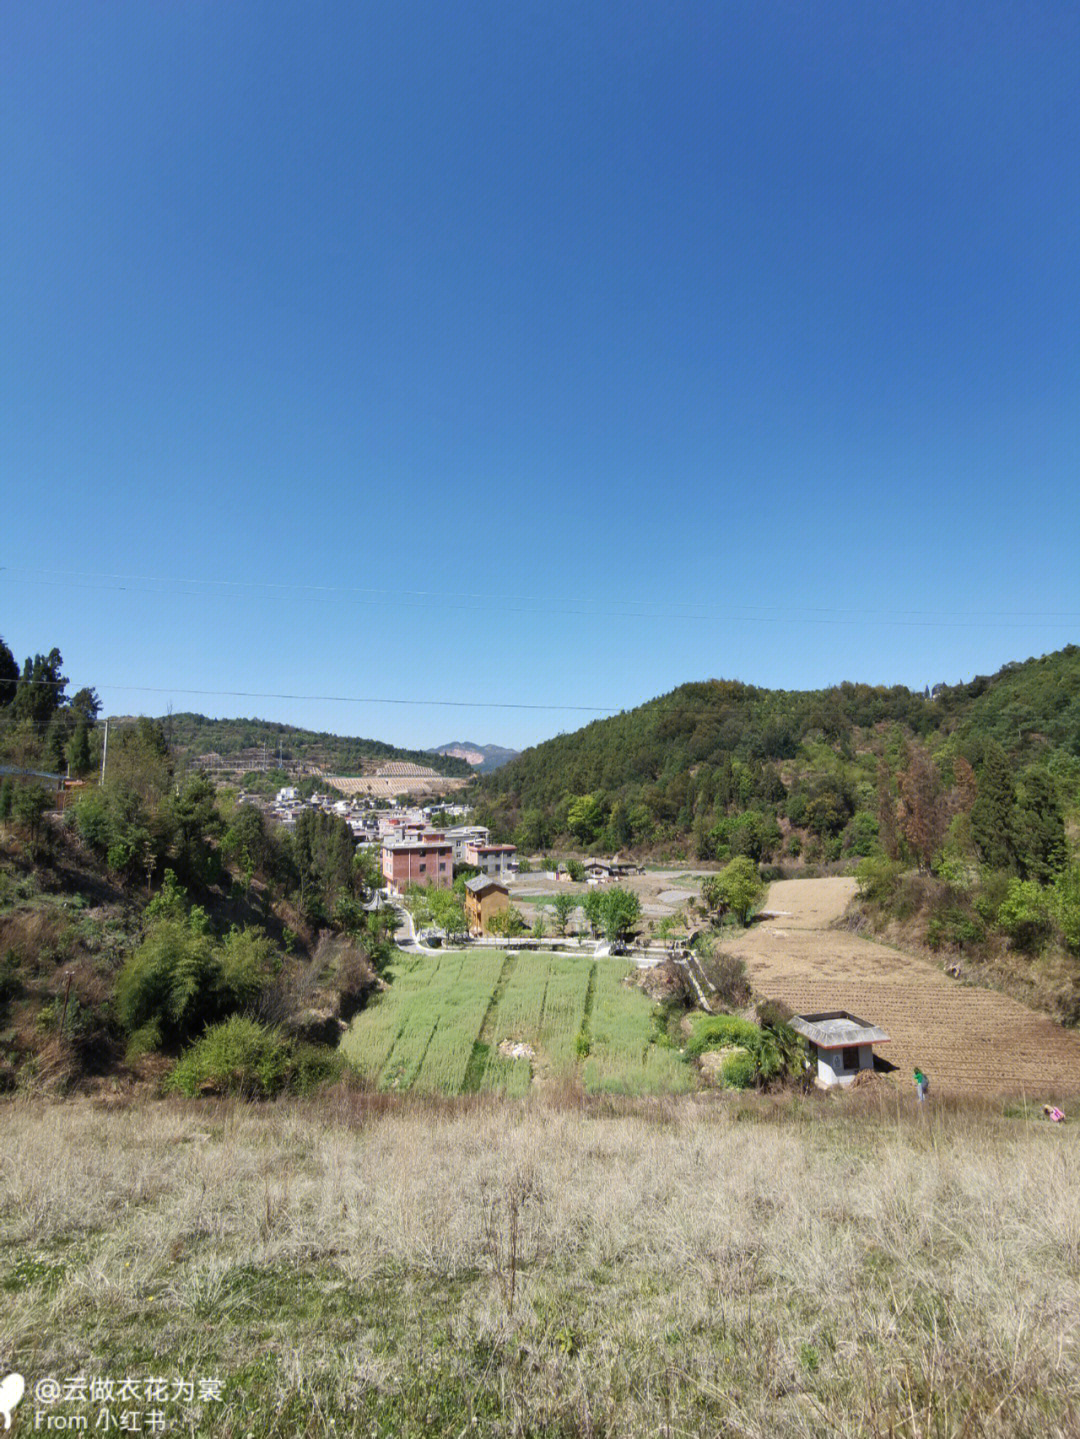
969,1041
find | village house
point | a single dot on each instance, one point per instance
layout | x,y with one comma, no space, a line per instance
484,898
462,835
606,871
425,861
840,1045
492,859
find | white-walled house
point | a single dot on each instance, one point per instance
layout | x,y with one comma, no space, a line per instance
840,1045
462,835
492,859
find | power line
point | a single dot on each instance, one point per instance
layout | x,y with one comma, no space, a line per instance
334,699
524,604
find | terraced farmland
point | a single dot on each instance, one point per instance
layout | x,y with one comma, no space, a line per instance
972,1042
449,1025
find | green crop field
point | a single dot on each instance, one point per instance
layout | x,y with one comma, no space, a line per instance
440,1025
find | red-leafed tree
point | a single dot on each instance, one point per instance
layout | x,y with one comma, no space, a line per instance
922,809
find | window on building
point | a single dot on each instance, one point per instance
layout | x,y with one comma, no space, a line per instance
851,1057
423,869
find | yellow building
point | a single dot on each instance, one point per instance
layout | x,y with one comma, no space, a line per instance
484,897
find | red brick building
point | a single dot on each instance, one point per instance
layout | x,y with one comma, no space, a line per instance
428,860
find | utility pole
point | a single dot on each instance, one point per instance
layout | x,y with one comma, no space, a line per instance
67,995
104,751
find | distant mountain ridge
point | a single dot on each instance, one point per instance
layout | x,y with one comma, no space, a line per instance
482,757
195,734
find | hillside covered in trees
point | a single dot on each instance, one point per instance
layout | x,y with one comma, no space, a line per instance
959,809
682,767
154,919
194,734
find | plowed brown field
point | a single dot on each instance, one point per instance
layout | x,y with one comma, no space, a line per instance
969,1041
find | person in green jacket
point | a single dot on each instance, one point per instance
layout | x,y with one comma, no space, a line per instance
922,1084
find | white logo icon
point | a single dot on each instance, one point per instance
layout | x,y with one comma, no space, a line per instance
11,1391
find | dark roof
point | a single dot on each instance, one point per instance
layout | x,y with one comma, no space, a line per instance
483,882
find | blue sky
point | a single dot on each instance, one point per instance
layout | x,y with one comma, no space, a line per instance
535,355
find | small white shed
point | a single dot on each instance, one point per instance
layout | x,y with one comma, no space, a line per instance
840,1045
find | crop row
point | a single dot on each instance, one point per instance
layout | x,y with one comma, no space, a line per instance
425,1031
461,1013
622,1056
543,1005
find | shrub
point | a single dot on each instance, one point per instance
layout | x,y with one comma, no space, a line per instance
739,1071
772,1013
720,1031
177,981
771,1052
953,927
952,869
11,986
727,975
248,964
238,1056
170,902
993,887
1067,906
507,922
1024,914
878,879
93,820
313,1065
242,1057
170,983
861,835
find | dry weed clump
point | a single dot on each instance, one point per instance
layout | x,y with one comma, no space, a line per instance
561,1267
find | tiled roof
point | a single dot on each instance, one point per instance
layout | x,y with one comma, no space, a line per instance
837,1029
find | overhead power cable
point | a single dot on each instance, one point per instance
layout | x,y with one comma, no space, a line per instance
627,609
337,699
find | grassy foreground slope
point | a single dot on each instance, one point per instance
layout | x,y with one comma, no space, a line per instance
382,1266
446,1023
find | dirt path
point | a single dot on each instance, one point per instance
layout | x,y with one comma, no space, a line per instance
968,1040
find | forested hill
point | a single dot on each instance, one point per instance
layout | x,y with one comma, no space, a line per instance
685,764
193,734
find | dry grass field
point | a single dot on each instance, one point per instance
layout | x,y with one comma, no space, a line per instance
970,1041
381,1265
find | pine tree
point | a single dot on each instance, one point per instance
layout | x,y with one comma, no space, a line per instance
992,812
78,750
1040,831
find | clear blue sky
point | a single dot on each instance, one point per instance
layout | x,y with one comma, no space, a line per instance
535,354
